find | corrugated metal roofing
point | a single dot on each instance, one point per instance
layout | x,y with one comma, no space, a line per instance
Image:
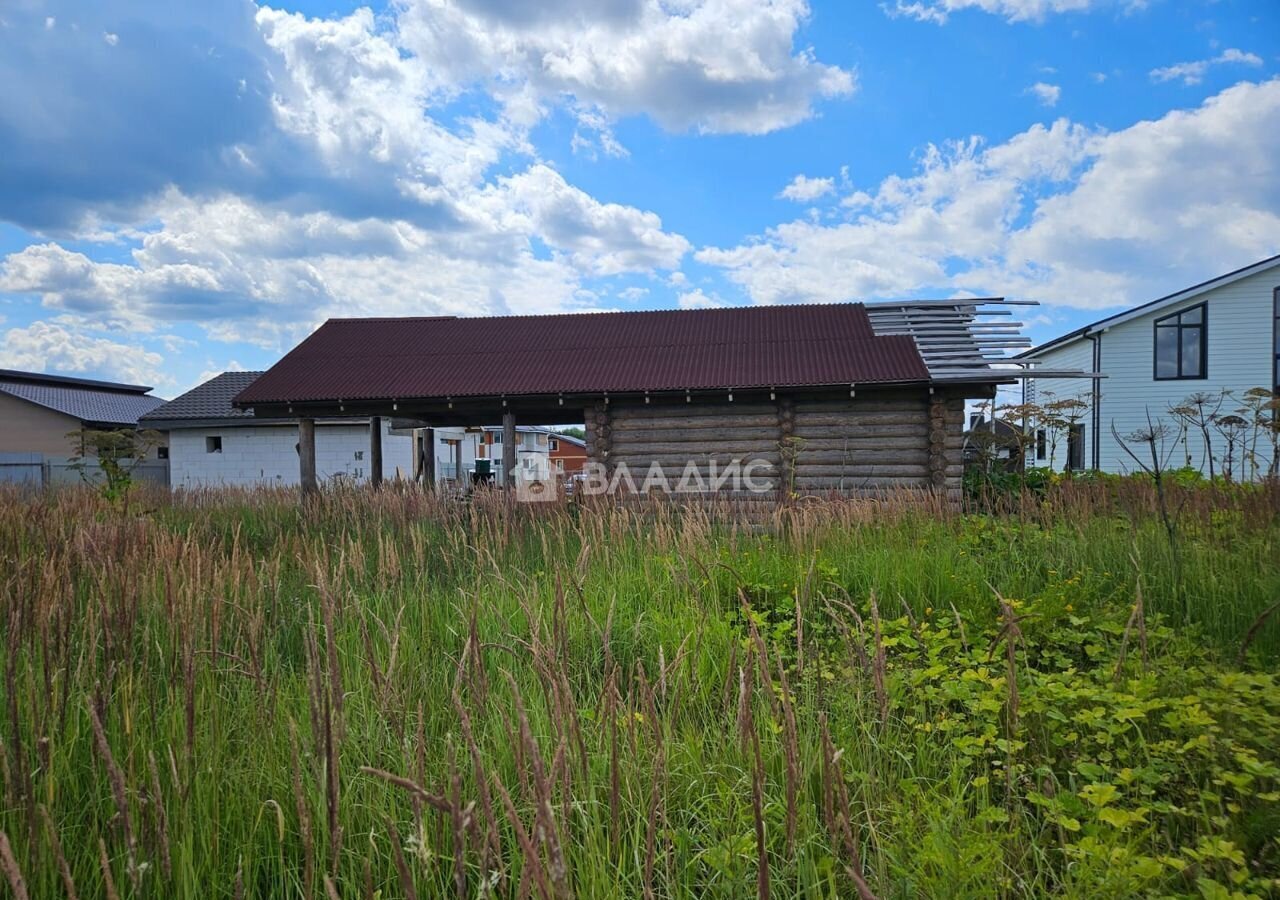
99,403
767,346
211,400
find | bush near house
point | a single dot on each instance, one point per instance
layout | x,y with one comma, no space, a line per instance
384,694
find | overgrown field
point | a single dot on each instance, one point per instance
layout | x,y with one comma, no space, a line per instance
388,695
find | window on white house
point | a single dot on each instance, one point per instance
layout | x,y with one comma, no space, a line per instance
213,443
1042,444
497,437
162,453
1180,344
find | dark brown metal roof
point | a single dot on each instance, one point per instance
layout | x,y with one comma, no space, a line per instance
666,350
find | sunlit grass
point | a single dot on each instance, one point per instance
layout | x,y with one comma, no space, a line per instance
387,692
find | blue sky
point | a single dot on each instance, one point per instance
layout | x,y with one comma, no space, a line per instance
191,188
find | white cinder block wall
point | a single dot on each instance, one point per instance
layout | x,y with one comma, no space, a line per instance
1240,356
267,455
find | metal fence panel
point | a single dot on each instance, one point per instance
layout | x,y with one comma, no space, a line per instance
21,468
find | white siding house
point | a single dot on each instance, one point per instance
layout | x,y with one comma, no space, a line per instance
212,444
1222,335
267,455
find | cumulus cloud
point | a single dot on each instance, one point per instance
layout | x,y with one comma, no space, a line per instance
52,347
938,11
352,197
1190,73
1064,214
803,189
603,238
698,299
709,65
1046,94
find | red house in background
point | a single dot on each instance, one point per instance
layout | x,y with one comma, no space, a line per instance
568,454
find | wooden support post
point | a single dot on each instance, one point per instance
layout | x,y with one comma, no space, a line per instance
307,456
429,458
787,447
599,435
375,451
938,442
509,448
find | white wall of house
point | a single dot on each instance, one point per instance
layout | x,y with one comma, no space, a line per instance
1240,355
260,455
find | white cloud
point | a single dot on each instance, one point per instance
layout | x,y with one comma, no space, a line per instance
1046,94
709,65
803,189
1066,215
51,347
111,38
1193,72
390,212
938,11
698,299
602,238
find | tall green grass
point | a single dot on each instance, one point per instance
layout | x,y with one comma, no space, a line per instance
389,694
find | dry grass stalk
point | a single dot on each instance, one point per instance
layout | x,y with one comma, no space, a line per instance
878,663
161,816
533,868
330,889
119,790
402,867
1137,622
611,718
104,863
751,742
434,800
332,786
1254,629
12,873
64,868
490,843
304,815
839,813
459,817
542,785
791,756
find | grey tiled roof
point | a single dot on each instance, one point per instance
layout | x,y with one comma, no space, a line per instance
102,404
211,400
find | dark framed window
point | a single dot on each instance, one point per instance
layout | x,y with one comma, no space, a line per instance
1181,344
1042,444
213,443
162,452
1075,447
553,445
1275,342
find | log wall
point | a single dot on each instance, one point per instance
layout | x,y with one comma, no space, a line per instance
872,443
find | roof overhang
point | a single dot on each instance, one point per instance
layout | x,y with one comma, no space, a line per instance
568,408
